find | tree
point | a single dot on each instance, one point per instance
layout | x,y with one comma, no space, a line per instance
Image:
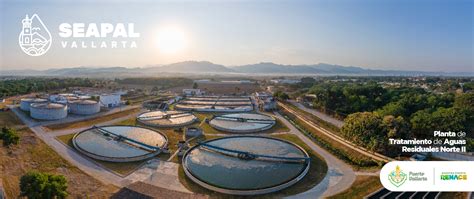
9,136
465,101
37,185
195,85
393,108
372,131
281,95
465,104
443,119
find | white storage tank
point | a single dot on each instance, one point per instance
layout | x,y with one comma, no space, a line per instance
26,102
84,107
48,111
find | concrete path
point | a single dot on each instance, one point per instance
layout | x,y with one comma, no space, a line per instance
318,114
158,173
340,176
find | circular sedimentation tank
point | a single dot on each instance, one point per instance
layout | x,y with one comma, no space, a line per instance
242,122
224,104
84,107
48,111
119,143
166,119
246,165
213,108
25,103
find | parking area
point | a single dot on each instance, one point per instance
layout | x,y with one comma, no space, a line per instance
386,194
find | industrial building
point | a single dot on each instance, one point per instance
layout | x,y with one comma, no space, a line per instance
48,111
193,92
120,143
242,122
246,165
84,107
265,101
110,100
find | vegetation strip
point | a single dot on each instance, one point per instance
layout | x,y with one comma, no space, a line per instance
376,156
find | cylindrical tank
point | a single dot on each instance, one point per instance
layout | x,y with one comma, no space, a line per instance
48,111
26,102
84,107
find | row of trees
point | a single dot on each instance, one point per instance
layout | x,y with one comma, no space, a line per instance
9,136
347,98
28,85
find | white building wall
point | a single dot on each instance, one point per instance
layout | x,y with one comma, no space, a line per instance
111,100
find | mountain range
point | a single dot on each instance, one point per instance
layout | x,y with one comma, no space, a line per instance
205,67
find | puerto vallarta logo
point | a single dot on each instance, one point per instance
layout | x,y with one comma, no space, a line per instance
35,38
397,177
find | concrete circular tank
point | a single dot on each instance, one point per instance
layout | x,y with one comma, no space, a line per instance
48,111
242,122
120,143
84,107
246,165
166,119
25,103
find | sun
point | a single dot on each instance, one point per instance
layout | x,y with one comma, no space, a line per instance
171,40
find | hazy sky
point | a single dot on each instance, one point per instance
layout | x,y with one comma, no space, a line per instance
383,34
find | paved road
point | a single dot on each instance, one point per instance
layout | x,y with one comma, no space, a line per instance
340,176
318,114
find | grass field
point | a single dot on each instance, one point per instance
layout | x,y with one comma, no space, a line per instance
317,171
362,186
33,154
92,121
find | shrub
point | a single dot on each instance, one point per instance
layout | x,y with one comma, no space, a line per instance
37,185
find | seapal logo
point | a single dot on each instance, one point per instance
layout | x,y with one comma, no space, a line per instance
98,35
35,38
